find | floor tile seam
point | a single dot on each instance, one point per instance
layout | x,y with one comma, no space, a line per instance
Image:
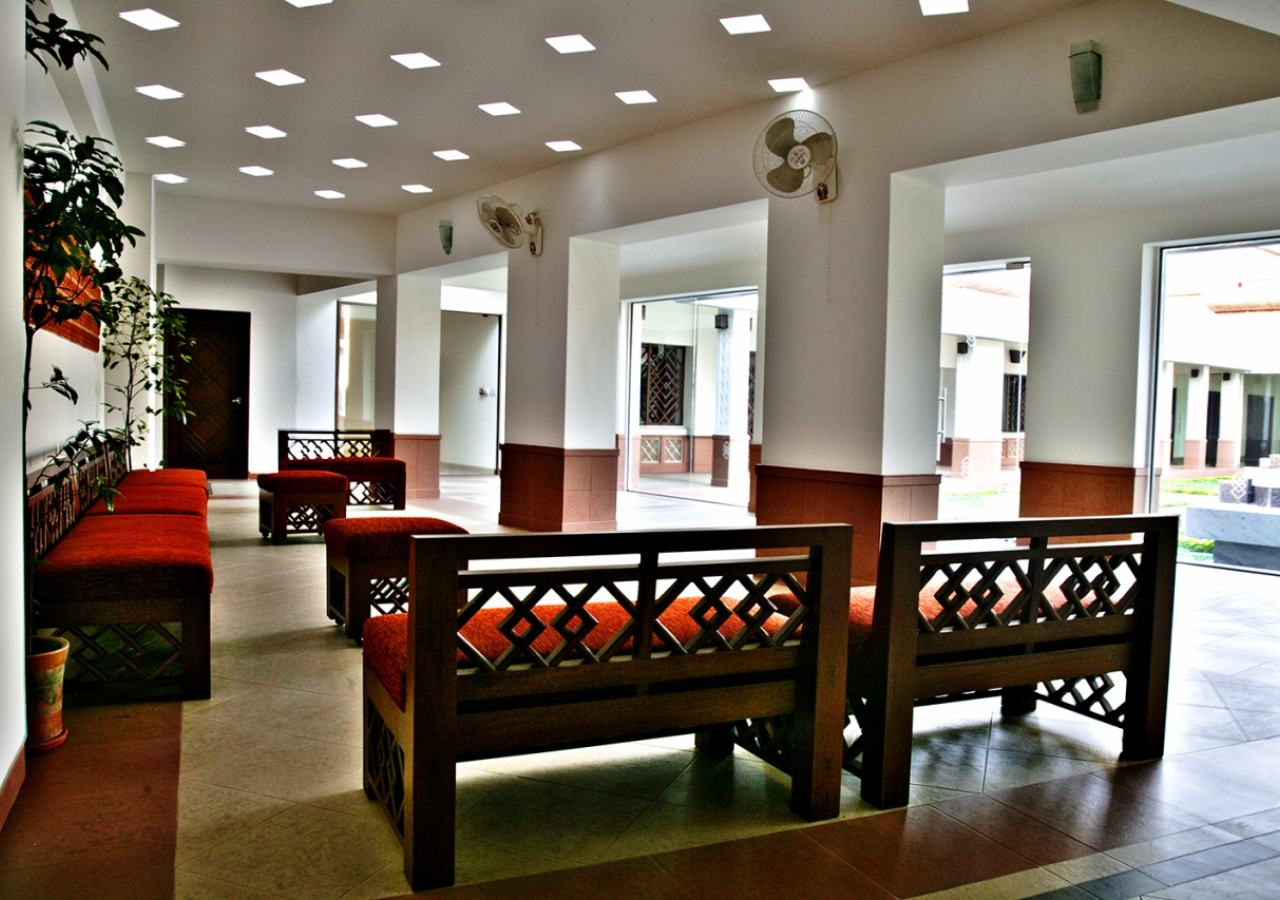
996,797
167,843
1272,853
1236,838
278,687
1165,803
1011,849
233,883
276,797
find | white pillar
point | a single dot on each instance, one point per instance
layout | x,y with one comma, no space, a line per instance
733,357
978,419
1164,416
1197,417
417,357
1231,420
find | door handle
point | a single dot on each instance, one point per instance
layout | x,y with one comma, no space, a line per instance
235,400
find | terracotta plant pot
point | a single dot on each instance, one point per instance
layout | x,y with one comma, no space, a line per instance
46,664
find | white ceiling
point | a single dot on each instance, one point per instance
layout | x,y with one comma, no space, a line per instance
489,51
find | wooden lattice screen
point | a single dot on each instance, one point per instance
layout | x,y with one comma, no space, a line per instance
662,384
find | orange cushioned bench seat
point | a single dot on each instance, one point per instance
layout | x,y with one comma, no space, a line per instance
157,477
382,537
385,636
173,500
302,481
300,502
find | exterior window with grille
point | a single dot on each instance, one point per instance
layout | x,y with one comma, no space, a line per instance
661,384
1015,403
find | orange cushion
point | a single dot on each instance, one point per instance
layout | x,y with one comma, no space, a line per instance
381,537
357,468
173,500
150,477
308,482
385,636
128,557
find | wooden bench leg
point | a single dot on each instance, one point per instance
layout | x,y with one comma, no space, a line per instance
886,759
358,585
715,740
1018,701
279,518
335,593
196,683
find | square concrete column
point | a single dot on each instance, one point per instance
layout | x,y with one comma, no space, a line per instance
408,377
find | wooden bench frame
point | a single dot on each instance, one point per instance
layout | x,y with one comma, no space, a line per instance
1031,654
338,444
285,512
52,512
452,715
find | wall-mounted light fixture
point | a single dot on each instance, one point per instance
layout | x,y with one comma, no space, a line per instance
1086,75
446,236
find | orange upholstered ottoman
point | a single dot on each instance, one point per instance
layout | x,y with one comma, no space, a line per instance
368,565
375,480
299,502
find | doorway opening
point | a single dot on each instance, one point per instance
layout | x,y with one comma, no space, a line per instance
357,362
692,397
982,389
472,365
1216,434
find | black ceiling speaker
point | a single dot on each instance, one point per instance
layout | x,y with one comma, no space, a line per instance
1195,373
1086,75
962,347
722,320
1015,356
1226,376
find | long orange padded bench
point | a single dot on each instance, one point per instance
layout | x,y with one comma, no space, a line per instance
128,582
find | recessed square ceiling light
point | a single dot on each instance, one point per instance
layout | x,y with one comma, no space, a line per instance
632,97
377,120
745,24
415,188
499,109
256,171
267,132
302,3
788,85
280,77
351,162
563,146
149,19
451,154
943,7
414,60
330,195
170,178
163,140
158,91
571,43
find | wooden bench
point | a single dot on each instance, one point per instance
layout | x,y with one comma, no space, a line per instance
300,502
1037,617
489,662
115,583
366,458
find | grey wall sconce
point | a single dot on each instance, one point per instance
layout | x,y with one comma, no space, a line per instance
446,236
1086,75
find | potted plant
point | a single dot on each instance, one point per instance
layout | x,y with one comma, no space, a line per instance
142,334
72,242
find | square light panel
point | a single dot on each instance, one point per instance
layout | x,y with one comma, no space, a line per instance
450,155
170,178
499,109
943,7
415,188
280,77
302,3
571,43
256,171
414,60
788,85
745,24
633,97
350,162
149,19
266,132
377,120
330,195
563,146
163,140
158,92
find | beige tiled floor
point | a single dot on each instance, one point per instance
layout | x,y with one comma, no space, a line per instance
271,802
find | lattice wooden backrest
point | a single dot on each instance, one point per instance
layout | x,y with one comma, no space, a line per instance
52,511
732,611
333,444
944,591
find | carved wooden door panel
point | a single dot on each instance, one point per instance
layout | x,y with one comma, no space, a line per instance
215,437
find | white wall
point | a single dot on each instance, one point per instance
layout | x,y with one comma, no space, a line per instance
13,720
468,362
317,361
1090,313
271,300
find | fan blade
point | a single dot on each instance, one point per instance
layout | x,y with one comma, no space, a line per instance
507,218
821,148
780,137
786,179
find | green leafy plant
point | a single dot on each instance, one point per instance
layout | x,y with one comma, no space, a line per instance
51,37
142,336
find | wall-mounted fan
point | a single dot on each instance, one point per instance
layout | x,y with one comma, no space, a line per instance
796,155
509,225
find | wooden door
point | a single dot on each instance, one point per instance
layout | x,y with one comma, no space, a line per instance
215,436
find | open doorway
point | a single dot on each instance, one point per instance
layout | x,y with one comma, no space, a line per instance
357,363
982,389
1217,435
690,419
472,344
